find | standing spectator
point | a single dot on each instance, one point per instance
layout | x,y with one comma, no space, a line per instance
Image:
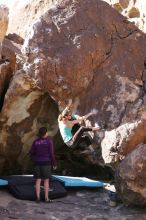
42,154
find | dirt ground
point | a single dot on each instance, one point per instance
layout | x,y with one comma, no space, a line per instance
77,205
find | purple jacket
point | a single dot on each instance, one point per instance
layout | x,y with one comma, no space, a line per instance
42,150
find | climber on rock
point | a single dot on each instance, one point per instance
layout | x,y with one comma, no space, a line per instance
72,132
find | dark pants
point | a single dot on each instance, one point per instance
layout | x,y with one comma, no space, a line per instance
79,137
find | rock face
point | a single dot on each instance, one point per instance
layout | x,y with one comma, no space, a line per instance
134,10
4,11
131,184
118,143
74,52
23,112
98,63
27,14
74,61
7,67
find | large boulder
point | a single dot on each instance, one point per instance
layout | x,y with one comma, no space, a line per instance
25,109
98,64
98,61
131,177
78,56
121,141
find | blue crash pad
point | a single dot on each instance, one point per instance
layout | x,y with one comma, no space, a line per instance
70,181
3,182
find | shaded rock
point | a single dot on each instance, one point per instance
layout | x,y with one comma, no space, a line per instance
7,67
5,77
144,75
130,179
9,52
22,114
15,38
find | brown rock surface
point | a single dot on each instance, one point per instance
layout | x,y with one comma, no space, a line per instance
134,10
99,63
15,38
73,62
120,142
131,178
